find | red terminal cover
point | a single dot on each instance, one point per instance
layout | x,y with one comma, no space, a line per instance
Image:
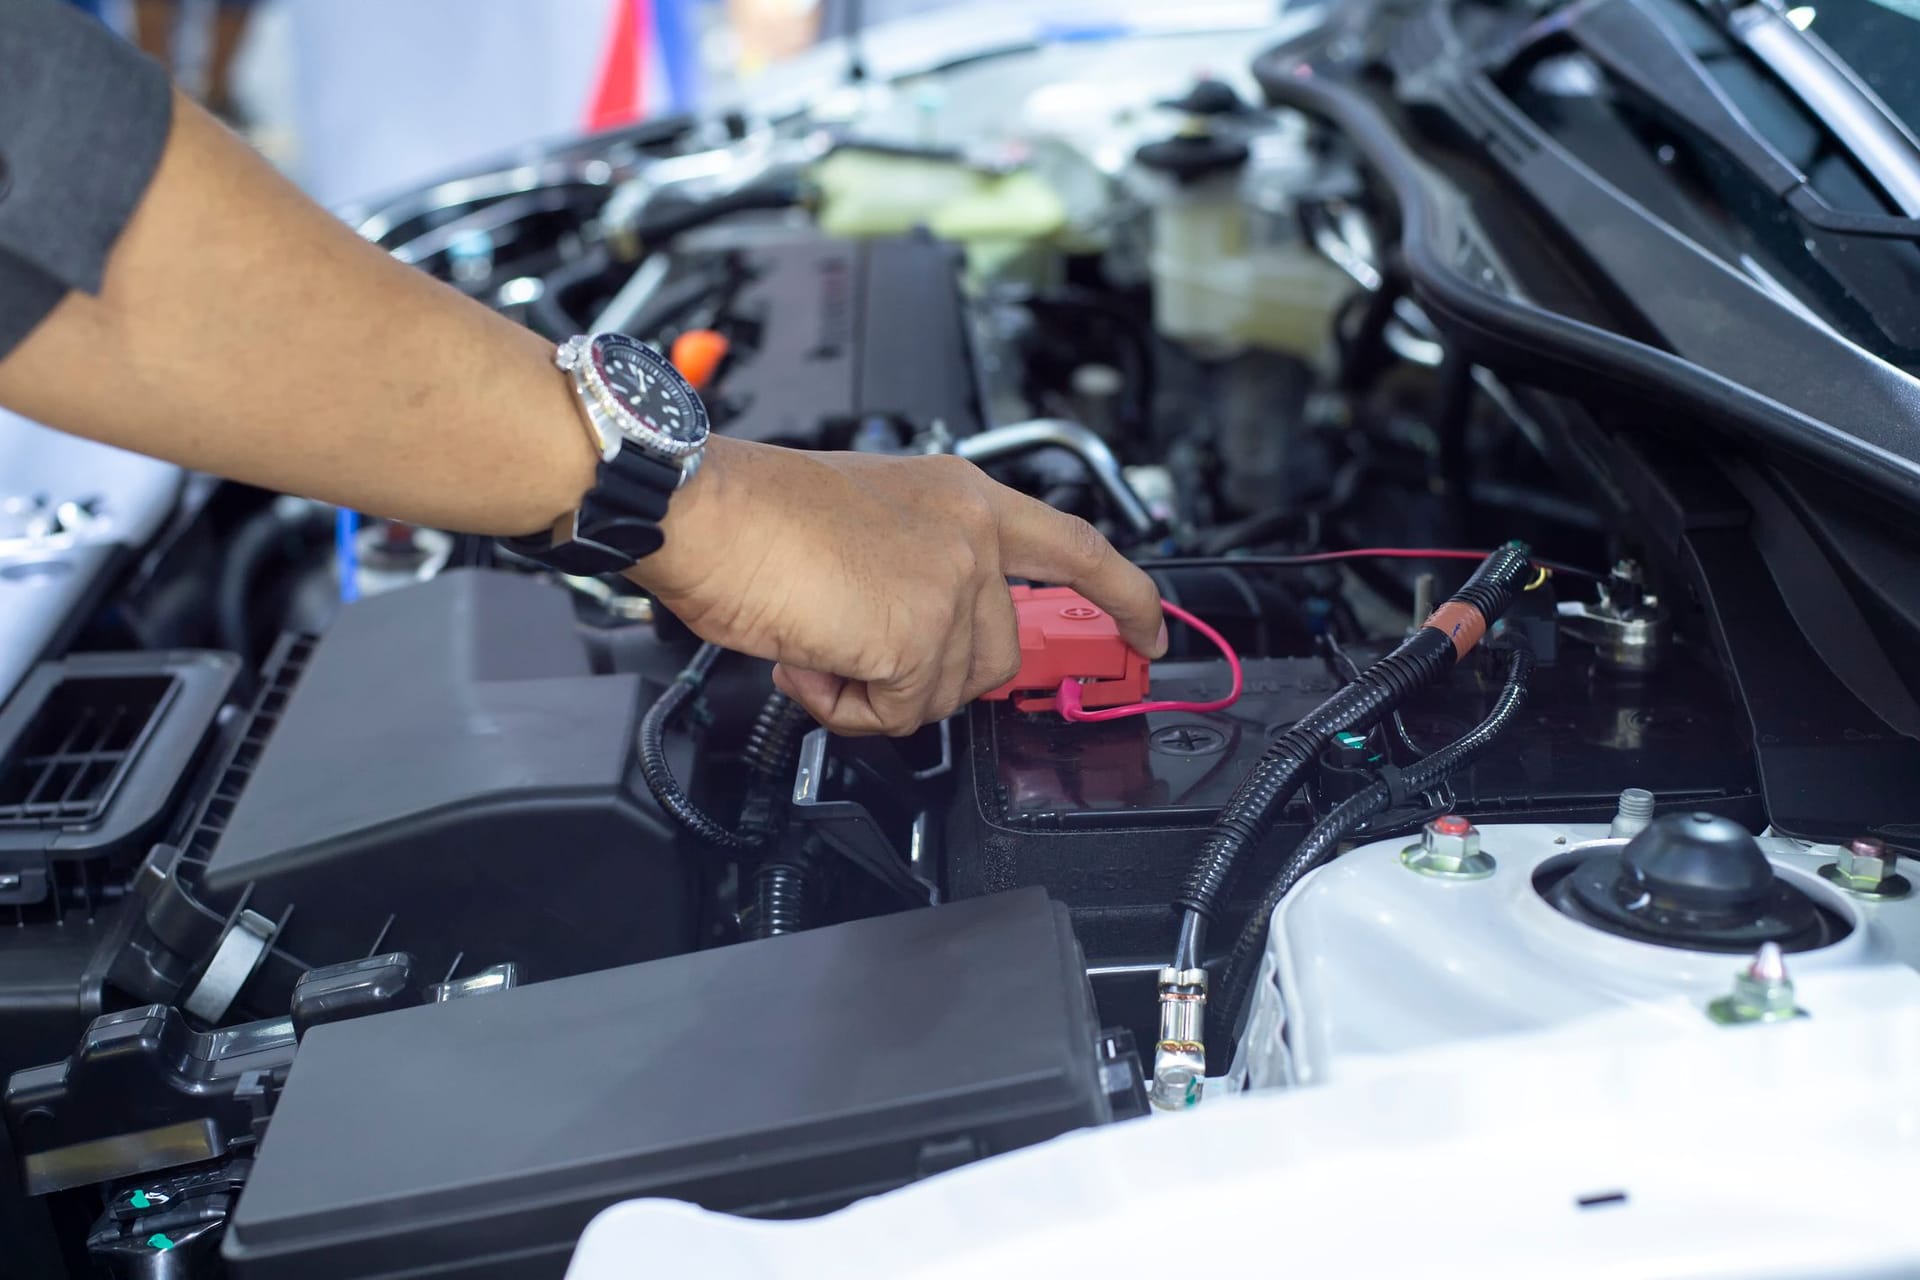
1064,636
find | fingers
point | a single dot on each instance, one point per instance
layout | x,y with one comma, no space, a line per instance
856,708
1051,546
838,703
814,690
996,640
951,674
918,631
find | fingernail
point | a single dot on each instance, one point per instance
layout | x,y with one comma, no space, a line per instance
1160,642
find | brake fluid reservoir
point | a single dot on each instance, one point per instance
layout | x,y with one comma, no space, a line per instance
1230,268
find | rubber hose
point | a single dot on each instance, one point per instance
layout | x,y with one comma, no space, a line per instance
672,303
1496,584
773,751
1249,816
773,745
657,227
780,900
780,889
653,753
1419,661
253,546
1320,843
1349,670
546,315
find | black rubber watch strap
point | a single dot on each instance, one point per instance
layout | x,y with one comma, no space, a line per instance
617,523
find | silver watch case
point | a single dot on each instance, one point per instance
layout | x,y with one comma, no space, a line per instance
612,423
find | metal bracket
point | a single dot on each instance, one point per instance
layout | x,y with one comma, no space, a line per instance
499,977
849,827
946,755
1628,626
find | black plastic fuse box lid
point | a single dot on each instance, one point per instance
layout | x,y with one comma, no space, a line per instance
782,1077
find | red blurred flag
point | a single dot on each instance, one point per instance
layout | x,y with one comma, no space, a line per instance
617,97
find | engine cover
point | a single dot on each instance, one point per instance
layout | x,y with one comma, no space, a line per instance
826,334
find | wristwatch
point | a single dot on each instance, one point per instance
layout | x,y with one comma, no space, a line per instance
651,431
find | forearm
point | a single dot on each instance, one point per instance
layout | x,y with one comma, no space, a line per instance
244,331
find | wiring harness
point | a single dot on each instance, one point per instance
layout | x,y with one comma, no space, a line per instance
1248,818
1347,817
653,754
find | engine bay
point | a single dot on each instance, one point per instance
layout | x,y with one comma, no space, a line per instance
373,901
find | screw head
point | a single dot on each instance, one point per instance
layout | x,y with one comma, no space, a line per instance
1187,740
1080,612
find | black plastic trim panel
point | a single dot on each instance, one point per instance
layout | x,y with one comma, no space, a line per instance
1831,403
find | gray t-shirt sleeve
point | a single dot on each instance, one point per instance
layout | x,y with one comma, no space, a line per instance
83,120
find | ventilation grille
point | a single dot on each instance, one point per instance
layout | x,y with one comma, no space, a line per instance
64,771
282,672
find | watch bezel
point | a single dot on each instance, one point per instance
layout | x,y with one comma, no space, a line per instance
578,356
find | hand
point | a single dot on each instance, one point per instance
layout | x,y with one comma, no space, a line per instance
878,585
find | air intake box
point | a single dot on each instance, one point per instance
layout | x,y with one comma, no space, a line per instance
442,773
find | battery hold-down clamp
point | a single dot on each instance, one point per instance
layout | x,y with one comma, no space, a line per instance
1074,661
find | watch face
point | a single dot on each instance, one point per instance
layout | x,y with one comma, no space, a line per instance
643,383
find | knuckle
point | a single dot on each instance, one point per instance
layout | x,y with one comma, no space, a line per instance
899,722
964,557
972,513
955,468
1085,544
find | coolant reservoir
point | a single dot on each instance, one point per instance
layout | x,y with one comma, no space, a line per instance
997,216
1230,268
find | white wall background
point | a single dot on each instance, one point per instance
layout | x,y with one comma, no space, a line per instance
383,94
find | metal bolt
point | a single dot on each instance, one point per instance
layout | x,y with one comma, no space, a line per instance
1449,848
1423,590
1868,859
1628,571
1634,815
1868,868
1762,992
